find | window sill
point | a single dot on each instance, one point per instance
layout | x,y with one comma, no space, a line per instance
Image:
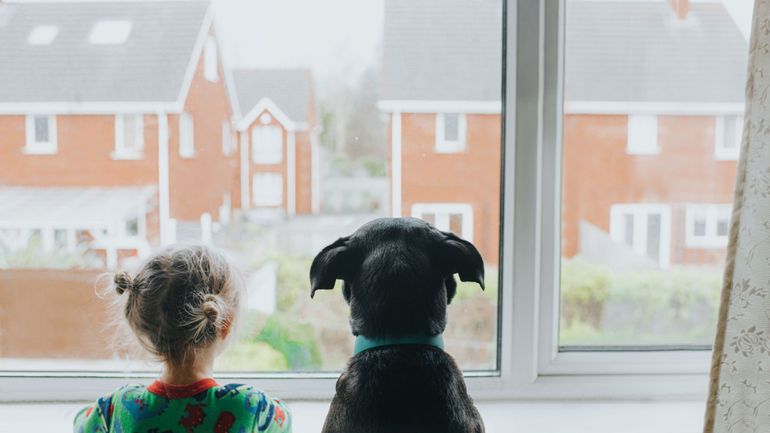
649,152
40,150
501,417
449,148
127,156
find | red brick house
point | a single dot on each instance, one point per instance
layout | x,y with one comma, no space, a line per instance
115,123
654,99
441,93
652,90
276,124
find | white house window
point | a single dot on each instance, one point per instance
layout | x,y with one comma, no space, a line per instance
110,32
728,134
642,134
41,134
453,217
451,131
129,136
645,228
43,35
707,225
267,144
186,136
267,189
210,64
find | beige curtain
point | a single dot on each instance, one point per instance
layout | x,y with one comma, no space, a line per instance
739,396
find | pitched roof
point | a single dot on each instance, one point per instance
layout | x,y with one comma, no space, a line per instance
149,66
289,89
450,50
639,51
442,50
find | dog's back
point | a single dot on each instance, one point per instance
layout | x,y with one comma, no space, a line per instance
407,388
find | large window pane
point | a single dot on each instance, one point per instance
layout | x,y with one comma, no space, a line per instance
342,113
653,105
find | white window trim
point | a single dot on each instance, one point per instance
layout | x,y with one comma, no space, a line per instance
530,364
264,203
721,153
442,210
638,148
211,60
121,151
186,135
33,147
257,154
710,240
639,211
445,146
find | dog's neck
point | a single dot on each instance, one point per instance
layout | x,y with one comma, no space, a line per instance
363,343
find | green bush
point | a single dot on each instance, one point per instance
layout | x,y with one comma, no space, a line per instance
295,340
609,307
374,167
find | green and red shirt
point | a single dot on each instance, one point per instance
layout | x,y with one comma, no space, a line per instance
203,406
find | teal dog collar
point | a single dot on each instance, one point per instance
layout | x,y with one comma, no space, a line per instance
363,343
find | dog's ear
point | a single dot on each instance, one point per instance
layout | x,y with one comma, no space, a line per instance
462,258
329,265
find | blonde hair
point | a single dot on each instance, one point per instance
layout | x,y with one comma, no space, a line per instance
180,300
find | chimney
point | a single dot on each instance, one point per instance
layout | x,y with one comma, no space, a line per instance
680,7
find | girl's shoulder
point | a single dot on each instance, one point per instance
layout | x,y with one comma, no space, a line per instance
270,414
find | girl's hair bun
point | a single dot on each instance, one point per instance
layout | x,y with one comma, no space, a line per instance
212,308
123,282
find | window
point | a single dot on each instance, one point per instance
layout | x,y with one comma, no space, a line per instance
708,225
642,135
268,189
453,217
129,136
450,132
644,228
43,35
186,136
41,134
267,144
321,131
642,247
110,32
210,66
728,135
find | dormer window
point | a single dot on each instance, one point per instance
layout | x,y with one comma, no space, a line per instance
43,35
110,32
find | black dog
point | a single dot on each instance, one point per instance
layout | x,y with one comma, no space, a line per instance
398,276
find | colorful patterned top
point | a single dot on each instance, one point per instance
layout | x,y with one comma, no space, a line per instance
203,406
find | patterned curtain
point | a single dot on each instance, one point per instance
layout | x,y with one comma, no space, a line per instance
739,397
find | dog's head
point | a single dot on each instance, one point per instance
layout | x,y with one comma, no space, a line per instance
398,275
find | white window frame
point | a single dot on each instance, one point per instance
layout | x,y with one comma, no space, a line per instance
442,211
712,212
640,213
273,199
122,149
210,60
642,134
35,147
722,153
530,363
186,135
264,152
451,146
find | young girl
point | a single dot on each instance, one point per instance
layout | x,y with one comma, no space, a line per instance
181,305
